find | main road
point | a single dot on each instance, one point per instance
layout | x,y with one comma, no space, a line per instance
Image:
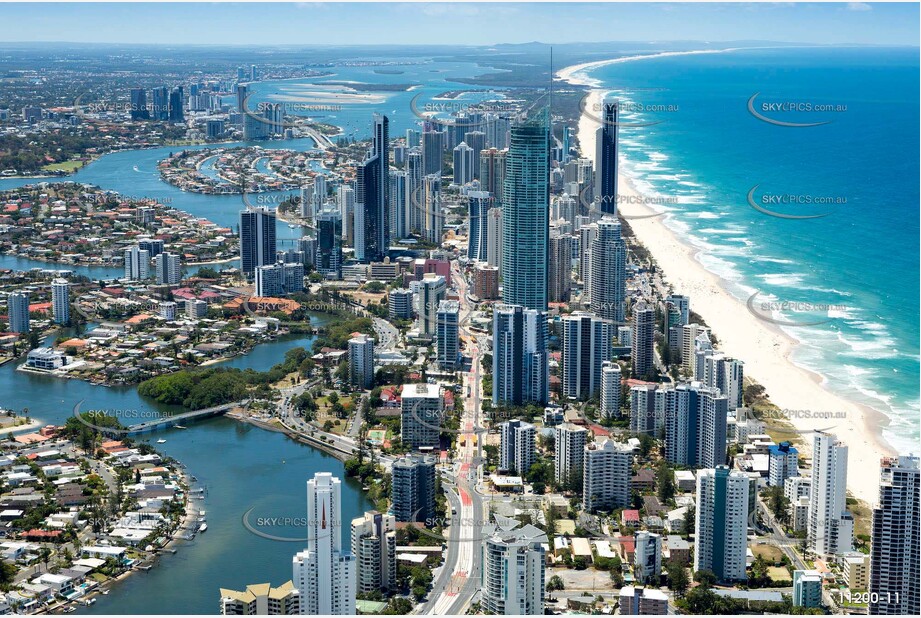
459,579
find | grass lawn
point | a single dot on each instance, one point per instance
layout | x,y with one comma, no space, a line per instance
779,574
324,413
769,552
66,166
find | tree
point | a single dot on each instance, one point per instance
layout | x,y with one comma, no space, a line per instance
779,504
705,577
665,483
555,583
678,581
689,523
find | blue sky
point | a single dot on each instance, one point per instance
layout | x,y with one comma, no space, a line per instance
458,23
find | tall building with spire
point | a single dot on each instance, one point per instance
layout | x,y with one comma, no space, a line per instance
372,209
526,214
325,572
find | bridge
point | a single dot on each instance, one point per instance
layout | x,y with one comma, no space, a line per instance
177,419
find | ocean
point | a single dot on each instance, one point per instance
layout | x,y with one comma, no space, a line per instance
843,283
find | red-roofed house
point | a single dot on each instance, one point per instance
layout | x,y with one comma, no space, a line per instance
627,547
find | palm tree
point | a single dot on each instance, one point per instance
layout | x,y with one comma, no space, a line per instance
44,555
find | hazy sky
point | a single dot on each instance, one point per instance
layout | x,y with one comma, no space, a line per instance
457,23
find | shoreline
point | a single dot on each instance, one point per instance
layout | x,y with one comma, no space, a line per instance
765,348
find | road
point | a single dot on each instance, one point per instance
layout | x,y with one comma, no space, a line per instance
786,544
459,580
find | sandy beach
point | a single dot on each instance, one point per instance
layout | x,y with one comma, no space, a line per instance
763,347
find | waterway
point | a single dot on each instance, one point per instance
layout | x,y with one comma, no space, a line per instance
239,466
242,468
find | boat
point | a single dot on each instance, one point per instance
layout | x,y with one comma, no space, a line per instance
105,592
203,527
180,427
292,226
161,441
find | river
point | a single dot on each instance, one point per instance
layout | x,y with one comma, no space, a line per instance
240,466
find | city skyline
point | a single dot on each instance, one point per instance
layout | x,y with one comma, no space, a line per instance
506,341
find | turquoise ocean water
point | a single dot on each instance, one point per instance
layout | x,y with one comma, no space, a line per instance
855,269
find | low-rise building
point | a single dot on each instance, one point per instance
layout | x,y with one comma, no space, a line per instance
261,600
636,601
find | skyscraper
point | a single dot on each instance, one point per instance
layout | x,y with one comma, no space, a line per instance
399,218
494,237
782,463
512,578
413,489
722,523
413,193
609,264
447,334
477,141
345,196
895,570
492,173
361,361
520,367
465,164
433,147
374,195
525,214
560,276
374,547
60,300
478,205
257,239
139,109
432,216
328,260
167,268
569,455
176,101
325,572
606,159
160,103
137,263
645,415
831,527
606,475
517,450
431,292
610,390
17,305
643,348
587,343
421,415
695,425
